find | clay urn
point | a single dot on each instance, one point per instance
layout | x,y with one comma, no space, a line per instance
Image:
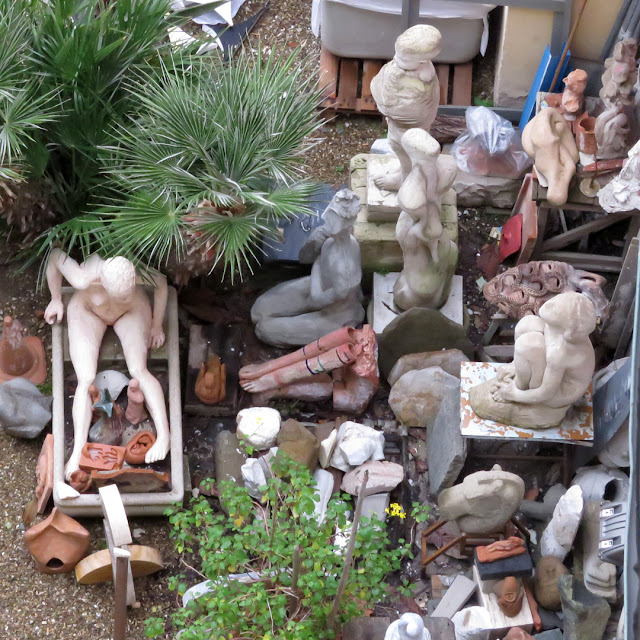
20,356
58,543
586,134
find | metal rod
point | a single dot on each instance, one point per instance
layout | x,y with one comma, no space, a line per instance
410,13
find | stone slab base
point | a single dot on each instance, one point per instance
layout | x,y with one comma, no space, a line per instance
576,428
383,310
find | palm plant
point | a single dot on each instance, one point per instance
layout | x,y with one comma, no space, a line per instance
210,163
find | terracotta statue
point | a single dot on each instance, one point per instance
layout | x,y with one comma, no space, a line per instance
612,132
511,595
108,293
211,384
137,447
620,75
483,502
573,94
135,403
522,290
545,582
430,254
500,549
623,192
20,356
549,141
299,311
348,354
552,366
407,93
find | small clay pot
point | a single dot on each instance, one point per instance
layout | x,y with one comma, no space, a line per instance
585,134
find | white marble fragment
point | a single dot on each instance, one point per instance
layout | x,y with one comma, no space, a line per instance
258,426
355,445
324,489
557,539
254,477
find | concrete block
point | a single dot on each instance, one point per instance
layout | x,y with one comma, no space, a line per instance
456,597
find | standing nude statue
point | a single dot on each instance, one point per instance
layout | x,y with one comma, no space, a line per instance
553,363
108,294
407,93
430,254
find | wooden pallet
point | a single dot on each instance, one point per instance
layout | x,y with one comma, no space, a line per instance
347,83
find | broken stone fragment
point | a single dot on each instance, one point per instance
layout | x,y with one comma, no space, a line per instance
230,457
24,411
557,539
448,360
254,477
384,476
258,427
585,614
545,582
355,445
297,442
416,397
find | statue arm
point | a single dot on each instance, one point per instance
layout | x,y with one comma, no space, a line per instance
61,265
313,246
159,282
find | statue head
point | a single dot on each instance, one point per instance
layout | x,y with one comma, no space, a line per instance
573,312
576,81
417,46
420,146
342,212
118,277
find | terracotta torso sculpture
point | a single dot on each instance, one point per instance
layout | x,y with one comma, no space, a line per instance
573,94
523,289
508,548
549,141
108,294
407,92
430,255
552,366
299,311
211,384
511,595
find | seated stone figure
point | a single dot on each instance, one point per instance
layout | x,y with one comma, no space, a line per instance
299,311
552,366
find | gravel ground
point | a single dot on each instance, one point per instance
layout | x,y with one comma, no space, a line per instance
41,606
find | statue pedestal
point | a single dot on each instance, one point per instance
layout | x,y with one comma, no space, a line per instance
382,205
383,310
576,427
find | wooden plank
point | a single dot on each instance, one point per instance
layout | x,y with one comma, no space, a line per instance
442,71
462,76
588,261
329,64
122,571
370,69
573,235
347,84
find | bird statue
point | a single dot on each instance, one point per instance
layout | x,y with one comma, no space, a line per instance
410,626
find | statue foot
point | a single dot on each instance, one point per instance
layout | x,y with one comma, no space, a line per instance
390,181
257,385
159,450
252,371
73,464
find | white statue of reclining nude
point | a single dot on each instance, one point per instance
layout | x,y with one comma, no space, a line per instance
552,366
300,311
108,293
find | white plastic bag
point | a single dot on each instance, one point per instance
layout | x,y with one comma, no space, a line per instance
490,146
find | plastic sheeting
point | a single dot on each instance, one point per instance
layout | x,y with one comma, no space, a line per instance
443,9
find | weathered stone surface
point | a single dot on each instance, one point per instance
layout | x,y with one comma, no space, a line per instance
376,504
24,411
229,457
416,397
545,582
585,614
552,634
557,538
448,360
384,476
447,449
418,330
254,477
258,426
355,445
543,510
485,191
297,442
365,628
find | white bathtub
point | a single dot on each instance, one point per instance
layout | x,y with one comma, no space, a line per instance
369,28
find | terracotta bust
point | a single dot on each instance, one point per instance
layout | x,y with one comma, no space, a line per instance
511,595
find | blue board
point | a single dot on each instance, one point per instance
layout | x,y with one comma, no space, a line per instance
542,82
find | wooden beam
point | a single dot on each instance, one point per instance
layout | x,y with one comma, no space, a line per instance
573,235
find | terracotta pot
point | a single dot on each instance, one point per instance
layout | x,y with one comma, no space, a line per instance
585,134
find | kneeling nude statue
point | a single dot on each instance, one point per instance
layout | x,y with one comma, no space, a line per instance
108,294
552,366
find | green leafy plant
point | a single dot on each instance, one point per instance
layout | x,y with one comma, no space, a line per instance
295,562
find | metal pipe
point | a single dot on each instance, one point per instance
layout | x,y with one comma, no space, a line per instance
621,19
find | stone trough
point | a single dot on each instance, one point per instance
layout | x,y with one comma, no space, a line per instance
167,359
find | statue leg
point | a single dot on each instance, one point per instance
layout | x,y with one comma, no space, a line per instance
133,330
393,180
529,360
86,331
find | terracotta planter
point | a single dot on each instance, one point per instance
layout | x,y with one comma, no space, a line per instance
585,134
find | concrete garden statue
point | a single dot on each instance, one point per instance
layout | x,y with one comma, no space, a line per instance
108,293
299,311
552,366
430,254
410,626
407,93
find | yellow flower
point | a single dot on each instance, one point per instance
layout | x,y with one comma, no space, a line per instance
396,509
